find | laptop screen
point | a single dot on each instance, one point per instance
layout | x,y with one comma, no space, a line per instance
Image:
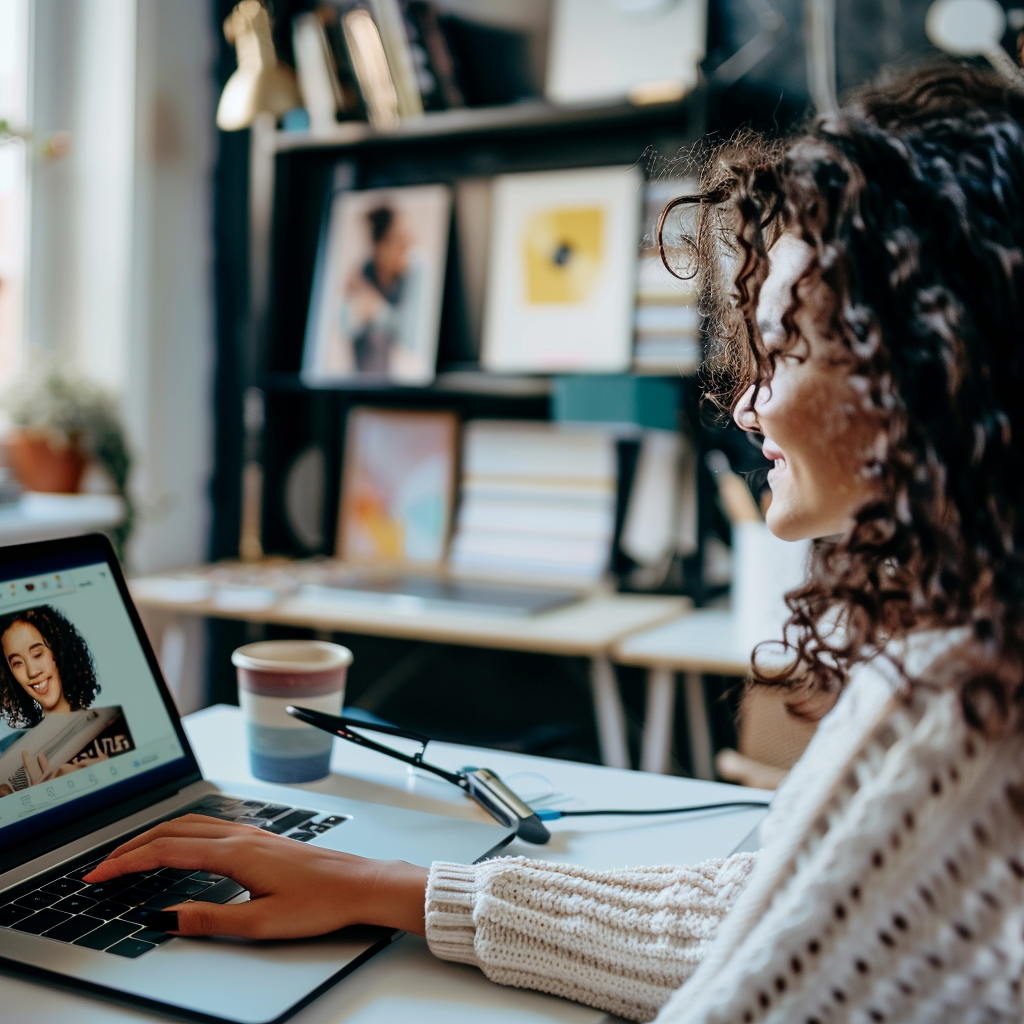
83,720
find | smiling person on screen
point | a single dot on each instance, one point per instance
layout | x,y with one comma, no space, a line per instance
47,669
864,283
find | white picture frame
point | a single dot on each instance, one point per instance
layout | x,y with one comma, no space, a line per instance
562,274
370,328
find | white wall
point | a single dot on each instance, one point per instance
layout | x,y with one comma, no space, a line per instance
120,246
120,278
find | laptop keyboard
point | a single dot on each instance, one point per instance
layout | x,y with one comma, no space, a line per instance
115,916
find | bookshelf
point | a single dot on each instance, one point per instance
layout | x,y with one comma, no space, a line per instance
529,115
290,174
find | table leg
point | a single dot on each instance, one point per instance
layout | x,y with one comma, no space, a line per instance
610,715
659,721
697,726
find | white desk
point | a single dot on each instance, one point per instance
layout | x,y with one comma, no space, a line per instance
703,641
588,628
405,983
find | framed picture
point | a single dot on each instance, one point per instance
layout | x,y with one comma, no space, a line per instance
398,487
562,275
376,300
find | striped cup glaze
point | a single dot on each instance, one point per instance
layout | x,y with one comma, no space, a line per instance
273,674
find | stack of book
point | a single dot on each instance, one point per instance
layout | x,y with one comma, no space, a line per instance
379,60
537,502
667,325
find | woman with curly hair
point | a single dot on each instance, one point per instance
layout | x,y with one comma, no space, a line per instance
47,667
864,282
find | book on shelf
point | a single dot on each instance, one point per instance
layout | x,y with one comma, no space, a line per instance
317,74
436,61
370,66
350,103
391,25
379,60
537,500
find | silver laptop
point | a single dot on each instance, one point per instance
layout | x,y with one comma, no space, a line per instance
70,626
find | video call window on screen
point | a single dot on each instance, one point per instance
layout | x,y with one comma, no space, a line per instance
51,700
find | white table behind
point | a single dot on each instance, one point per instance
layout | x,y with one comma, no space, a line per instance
405,982
705,641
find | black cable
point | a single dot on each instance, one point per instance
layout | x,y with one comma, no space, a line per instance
544,814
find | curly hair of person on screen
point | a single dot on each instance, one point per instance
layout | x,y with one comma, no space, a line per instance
47,666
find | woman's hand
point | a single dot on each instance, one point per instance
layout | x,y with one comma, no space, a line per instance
296,890
37,768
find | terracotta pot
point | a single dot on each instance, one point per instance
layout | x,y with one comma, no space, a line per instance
42,466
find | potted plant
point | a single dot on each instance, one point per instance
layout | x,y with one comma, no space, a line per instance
62,422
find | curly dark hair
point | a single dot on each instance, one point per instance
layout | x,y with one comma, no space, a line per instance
74,663
912,199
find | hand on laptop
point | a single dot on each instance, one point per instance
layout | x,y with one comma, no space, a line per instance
296,890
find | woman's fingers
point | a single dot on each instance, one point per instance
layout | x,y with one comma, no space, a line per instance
35,767
218,854
187,826
263,918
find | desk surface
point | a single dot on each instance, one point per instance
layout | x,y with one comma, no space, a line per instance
703,641
583,629
405,983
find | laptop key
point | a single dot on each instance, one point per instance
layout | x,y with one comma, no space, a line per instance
302,837
13,913
38,900
188,887
68,931
176,874
150,935
206,876
75,904
134,896
104,890
109,909
76,873
157,920
41,921
273,810
106,935
153,883
163,900
131,948
289,821
219,892
63,886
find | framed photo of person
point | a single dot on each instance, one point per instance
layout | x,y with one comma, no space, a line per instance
376,300
562,276
398,487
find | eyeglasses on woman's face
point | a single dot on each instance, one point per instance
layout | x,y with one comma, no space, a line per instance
678,232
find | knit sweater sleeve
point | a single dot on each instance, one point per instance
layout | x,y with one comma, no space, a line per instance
621,941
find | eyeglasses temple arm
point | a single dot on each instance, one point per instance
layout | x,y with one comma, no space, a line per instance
343,728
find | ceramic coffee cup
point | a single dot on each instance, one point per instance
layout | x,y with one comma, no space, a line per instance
273,674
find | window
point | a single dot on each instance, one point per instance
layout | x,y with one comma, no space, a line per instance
14,156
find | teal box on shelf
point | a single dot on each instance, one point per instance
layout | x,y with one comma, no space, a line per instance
650,402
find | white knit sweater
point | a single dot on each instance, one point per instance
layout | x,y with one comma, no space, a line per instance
890,888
